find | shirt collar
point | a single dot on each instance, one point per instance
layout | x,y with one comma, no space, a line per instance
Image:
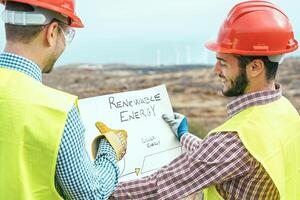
21,64
258,98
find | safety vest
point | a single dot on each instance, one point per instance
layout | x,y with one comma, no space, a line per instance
32,120
271,133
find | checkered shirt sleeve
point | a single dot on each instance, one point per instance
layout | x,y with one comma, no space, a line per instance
77,176
214,160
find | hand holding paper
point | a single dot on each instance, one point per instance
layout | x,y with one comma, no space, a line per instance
178,123
116,138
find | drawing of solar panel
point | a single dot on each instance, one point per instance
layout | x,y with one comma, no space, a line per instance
150,163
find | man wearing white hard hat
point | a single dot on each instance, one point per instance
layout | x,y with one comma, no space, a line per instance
255,153
42,150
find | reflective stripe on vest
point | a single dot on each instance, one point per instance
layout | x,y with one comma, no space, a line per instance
32,120
271,133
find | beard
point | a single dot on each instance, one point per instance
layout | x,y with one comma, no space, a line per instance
52,58
51,61
238,85
49,66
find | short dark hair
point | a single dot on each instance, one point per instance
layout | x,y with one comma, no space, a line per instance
21,33
271,67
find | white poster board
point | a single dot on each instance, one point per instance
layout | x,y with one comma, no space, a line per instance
151,143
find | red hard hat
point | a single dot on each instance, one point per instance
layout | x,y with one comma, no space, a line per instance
64,7
255,28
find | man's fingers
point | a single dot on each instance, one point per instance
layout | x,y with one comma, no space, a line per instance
102,127
173,123
168,117
178,116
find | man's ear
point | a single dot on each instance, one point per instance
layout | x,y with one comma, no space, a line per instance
255,68
52,32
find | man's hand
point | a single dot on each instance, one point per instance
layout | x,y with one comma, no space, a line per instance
116,138
178,124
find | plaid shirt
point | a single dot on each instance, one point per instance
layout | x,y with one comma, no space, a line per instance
220,159
77,177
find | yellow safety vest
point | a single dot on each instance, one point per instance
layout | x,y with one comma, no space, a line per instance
32,120
271,133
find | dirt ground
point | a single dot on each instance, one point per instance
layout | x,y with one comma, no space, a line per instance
194,91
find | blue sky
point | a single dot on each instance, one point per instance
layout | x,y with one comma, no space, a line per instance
151,32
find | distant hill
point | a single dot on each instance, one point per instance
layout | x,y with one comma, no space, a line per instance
193,89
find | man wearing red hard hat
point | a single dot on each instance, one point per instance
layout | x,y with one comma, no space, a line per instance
42,145
255,153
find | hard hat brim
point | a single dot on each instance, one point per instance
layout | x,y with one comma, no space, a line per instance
214,46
